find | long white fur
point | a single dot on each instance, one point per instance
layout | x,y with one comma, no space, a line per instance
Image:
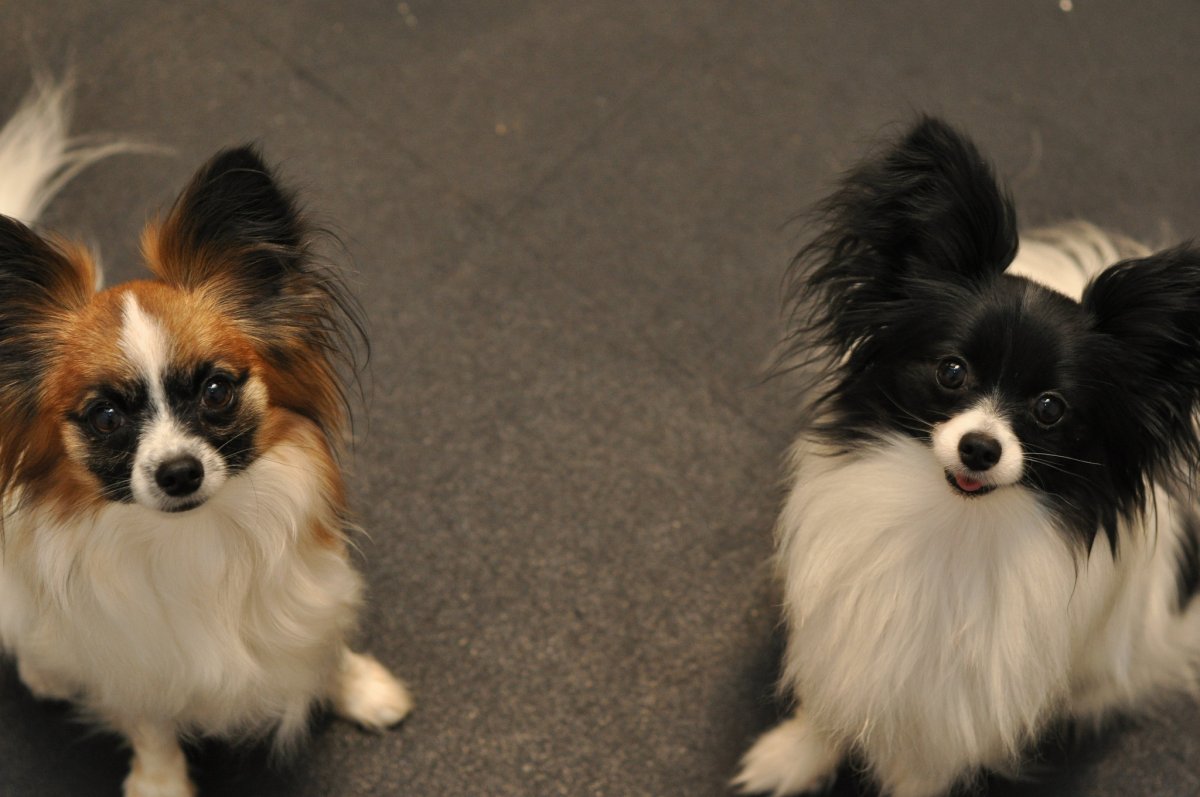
938,634
38,156
1065,257
223,620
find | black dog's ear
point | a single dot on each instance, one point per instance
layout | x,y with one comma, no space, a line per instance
930,203
1148,314
928,211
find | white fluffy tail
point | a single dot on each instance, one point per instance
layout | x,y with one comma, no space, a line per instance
37,156
1066,257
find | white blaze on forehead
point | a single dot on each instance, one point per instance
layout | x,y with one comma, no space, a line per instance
161,437
145,344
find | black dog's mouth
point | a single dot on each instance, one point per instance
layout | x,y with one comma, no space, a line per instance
185,506
966,486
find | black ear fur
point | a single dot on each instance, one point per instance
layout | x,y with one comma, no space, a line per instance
932,203
39,283
36,275
38,279
928,210
232,210
234,200
1147,312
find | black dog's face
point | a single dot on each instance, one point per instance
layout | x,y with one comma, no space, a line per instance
1006,384
1012,385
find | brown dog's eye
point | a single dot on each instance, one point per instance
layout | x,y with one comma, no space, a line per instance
105,418
217,393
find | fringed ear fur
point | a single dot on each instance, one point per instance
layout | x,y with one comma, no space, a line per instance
42,283
1147,314
927,215
235,234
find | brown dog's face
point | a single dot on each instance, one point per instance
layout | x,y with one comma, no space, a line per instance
168,405
157,392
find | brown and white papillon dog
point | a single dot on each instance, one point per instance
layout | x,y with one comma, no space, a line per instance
175,525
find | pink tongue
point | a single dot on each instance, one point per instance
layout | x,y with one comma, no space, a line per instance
967,485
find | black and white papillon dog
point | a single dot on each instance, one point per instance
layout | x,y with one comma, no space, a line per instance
992,522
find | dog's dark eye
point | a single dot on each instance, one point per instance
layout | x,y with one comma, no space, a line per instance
952,373
1049,409
105,418
217,393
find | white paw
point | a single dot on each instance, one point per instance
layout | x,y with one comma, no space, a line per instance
164,783
43,684
791,758
366,693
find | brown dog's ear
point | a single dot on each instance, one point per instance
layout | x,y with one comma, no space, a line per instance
40,282
233,220
236,235
38,272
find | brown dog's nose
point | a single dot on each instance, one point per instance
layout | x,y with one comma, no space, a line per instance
180,476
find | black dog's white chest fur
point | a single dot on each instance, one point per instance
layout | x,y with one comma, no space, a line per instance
959,626
934,634
991,523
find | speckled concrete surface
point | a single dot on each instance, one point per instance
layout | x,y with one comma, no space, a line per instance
569,221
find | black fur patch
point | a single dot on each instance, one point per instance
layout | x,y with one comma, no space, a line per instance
110,456
231,431
35,278
909,270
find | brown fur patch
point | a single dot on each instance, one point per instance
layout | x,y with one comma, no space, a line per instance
56,280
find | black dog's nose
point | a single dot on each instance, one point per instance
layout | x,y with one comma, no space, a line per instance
180,476
979,451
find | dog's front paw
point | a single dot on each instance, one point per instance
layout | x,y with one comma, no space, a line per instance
366,693
159,767
158,781
791,758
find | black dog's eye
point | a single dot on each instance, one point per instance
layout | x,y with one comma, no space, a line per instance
1049,409
105,418
217,393
951,373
